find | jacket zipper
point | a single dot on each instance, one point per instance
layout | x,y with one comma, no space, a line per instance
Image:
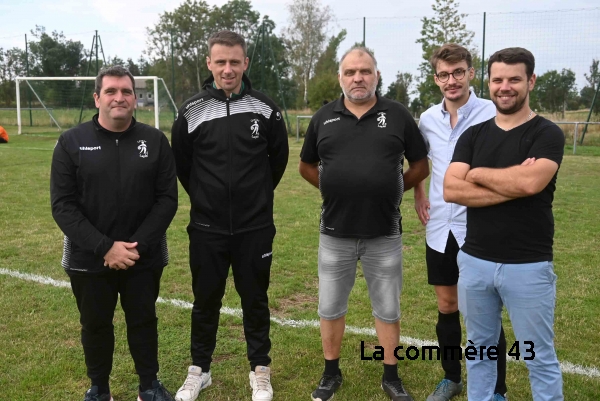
118,203
230,171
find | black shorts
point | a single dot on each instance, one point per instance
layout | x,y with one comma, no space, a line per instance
442,268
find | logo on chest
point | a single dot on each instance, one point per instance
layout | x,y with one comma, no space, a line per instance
143,148
254,129
381,120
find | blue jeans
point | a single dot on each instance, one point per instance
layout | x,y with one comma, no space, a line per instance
381,259
528,290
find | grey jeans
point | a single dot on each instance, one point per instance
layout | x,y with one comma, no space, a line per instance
381,259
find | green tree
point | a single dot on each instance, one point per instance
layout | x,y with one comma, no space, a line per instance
116,60
187,29
12,65
324,85
55,56
237,16
476,81
416,107
401,89
587,92
554,89
269,67
446,26
133,68
306,36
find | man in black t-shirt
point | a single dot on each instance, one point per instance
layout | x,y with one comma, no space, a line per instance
354,153
504,170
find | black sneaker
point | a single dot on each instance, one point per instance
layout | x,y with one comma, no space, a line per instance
92,395
327,387
395,390
158,392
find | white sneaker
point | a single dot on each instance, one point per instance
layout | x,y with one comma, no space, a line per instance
196,380
260,381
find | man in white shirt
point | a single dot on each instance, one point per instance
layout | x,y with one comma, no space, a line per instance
442,125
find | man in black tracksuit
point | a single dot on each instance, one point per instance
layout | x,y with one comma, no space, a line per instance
113,189
231,150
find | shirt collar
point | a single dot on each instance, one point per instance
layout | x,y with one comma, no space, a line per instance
340,107
466,108
214,85
101,128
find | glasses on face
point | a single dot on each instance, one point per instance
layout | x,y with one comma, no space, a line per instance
458,74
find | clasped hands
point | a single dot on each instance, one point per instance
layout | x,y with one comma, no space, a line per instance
122,255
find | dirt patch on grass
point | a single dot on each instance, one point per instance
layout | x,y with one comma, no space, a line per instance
295,302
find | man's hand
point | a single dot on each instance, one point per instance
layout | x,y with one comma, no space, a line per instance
528,162
422,205
122,255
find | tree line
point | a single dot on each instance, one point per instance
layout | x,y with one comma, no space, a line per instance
297,68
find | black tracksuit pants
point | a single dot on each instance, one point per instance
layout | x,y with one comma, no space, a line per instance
250,256
96,296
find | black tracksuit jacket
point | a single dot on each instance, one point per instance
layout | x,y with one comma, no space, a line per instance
107,186
230,155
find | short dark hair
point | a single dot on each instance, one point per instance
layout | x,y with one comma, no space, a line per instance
227,38
112,71
513,55
451,53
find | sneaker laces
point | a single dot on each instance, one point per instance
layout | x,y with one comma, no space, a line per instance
442,387
397,387
192,381
262,381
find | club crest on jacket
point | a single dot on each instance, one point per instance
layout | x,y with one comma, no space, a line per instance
381,119
254,128
143,148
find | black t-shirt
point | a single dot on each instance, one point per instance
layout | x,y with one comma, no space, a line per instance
520,230
361,166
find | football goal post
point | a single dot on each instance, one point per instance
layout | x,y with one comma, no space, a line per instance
64,102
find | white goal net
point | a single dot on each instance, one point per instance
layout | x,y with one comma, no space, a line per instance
64,102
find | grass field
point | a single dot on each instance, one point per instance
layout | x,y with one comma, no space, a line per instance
40,352
67,118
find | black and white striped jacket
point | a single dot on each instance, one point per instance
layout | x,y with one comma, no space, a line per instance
230,155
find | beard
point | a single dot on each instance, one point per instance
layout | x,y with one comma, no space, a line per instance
369,93
510,109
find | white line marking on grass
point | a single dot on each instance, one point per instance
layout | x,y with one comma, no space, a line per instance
566,367
18,148
35,278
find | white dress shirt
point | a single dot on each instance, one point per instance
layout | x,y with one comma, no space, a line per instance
441,137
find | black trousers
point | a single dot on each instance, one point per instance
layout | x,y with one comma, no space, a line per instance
96,296
250,256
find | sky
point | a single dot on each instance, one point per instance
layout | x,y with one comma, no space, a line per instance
566,39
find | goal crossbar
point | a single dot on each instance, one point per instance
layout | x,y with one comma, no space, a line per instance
142,78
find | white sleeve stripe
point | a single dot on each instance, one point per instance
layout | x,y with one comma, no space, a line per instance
214,109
